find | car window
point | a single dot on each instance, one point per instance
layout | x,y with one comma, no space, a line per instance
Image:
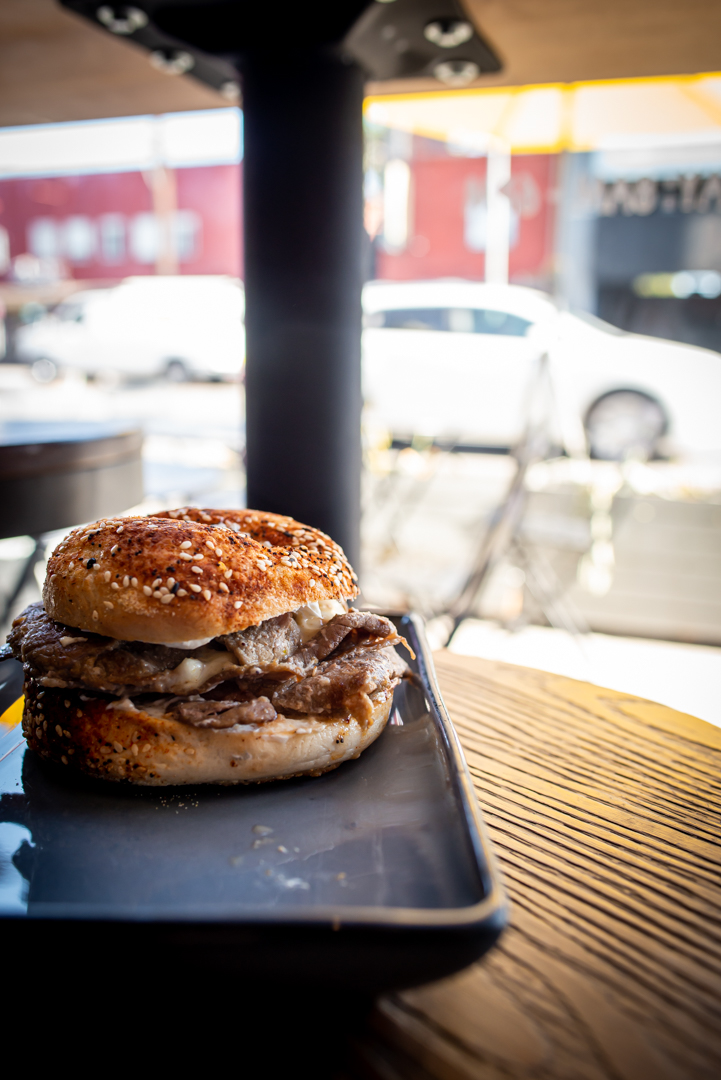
70,312
460,320
456,320
408,319
500,322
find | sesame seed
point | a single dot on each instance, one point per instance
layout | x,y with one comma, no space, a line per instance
71,565
167,598
210,544
186,544
126,581
157,583
238,604
223,587
134,582
228,574
195,588
95,615
184,555
134,749
182,592
96,566
198,557
197,569
58,729
170,582
219,552
63,759
108,605
120,528
117,747
206,594
66,704
114,585
312,583
114,548
147,590
157,594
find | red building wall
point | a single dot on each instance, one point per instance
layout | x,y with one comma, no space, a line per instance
437,246
212,193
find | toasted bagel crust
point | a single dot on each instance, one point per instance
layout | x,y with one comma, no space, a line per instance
114,577
120,744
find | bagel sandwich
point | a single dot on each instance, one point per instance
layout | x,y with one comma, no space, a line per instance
202,646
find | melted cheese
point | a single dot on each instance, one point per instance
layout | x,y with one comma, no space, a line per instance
193,672
196,644
311,617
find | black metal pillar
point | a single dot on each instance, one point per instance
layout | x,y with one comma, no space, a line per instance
303,225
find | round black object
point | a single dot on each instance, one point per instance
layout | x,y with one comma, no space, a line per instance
624,424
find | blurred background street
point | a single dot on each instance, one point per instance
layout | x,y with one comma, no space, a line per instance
542,377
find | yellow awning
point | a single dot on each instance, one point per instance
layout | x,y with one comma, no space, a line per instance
572,116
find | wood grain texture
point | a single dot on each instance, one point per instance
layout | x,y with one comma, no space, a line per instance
548,41
604,812
56,66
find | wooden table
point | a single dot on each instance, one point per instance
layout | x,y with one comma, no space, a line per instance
604,810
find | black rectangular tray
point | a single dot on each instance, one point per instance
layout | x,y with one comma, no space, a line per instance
376,875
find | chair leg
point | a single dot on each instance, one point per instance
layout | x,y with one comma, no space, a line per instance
24,577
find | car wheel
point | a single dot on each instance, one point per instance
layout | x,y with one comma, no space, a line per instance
44,370
176,371
623,424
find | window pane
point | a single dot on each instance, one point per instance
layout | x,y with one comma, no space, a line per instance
414,319
186,228
461,320
112,238
144,238
500,322
43,239
79,238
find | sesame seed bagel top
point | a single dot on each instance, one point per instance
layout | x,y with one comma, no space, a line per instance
188,574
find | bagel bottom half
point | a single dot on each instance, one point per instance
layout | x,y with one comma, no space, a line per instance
103,740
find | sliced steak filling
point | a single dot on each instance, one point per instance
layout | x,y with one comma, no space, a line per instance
224,714
265,647
232,681
344,684
62,656
344,630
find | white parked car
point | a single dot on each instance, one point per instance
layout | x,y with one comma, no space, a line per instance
455,360
178,327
